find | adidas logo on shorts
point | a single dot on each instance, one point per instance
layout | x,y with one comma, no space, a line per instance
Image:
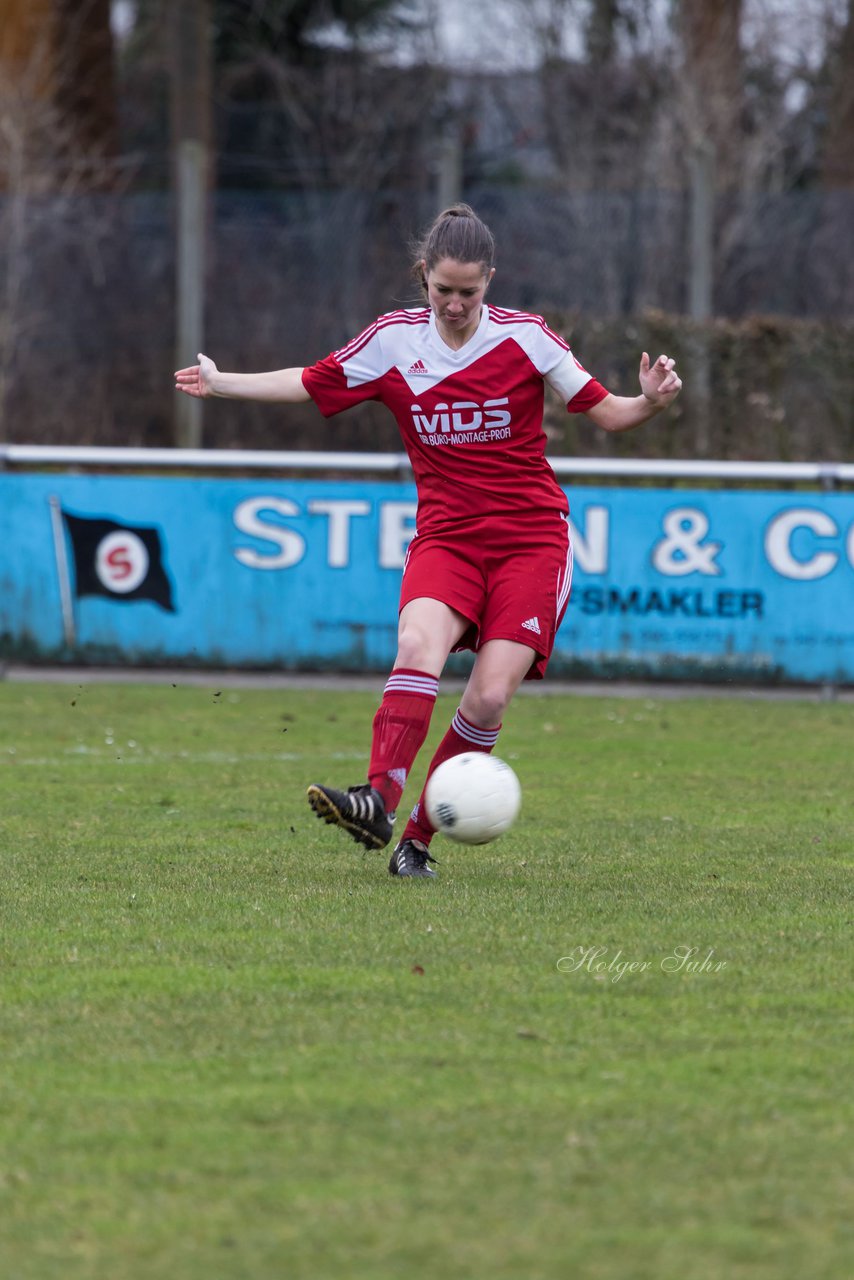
533,624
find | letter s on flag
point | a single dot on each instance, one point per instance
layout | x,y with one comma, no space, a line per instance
123,562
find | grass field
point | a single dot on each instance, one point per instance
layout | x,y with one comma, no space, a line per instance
233,1046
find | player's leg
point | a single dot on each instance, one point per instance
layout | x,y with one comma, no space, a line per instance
499,669
427,631
528,592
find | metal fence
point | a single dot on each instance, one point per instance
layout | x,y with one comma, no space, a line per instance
824,475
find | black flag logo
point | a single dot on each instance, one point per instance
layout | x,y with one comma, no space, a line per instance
121,561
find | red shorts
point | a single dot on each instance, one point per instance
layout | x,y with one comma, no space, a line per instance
510,584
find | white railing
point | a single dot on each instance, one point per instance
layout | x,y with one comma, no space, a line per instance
826,474
43,455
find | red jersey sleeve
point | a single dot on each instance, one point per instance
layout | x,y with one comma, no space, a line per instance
326,383
592,393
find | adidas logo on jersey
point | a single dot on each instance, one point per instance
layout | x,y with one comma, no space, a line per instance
533,624
418,367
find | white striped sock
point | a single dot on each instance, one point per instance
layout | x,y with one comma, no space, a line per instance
405,682
480,738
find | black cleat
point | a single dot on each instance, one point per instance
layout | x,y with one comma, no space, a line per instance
410,858
359,810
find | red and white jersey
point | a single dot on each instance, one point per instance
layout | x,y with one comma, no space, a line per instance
471,420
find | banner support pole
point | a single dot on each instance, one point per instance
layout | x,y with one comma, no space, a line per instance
68,627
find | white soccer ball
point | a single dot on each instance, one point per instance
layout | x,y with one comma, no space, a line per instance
473,797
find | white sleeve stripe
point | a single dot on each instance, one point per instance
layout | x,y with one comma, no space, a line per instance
391,317
508,314
361,340
517,317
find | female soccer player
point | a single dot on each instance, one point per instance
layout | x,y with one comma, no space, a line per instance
490,566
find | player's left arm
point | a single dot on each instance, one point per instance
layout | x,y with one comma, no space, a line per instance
660,385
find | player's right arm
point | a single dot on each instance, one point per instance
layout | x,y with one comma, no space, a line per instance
280,386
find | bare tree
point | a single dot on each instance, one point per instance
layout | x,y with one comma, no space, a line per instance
60,53
837,168
53,151
712,81
349,120
26,115
86,88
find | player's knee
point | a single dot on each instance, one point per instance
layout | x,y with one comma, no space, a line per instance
485,706
413,648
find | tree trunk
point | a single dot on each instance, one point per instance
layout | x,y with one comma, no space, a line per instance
85,88
838,165
26,27
58,55
713,80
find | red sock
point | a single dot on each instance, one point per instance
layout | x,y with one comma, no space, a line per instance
462,736
400,727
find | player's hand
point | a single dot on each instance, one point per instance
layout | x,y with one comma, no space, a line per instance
197,380
659,382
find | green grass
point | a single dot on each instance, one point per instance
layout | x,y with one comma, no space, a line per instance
232,1046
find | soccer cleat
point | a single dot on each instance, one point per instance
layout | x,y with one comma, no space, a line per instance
359,810
410,858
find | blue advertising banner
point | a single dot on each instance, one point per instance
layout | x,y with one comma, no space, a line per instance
304,574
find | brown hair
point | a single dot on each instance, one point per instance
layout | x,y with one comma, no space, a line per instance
457,233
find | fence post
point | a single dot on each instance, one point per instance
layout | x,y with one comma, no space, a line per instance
700,285
450,176
190,23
